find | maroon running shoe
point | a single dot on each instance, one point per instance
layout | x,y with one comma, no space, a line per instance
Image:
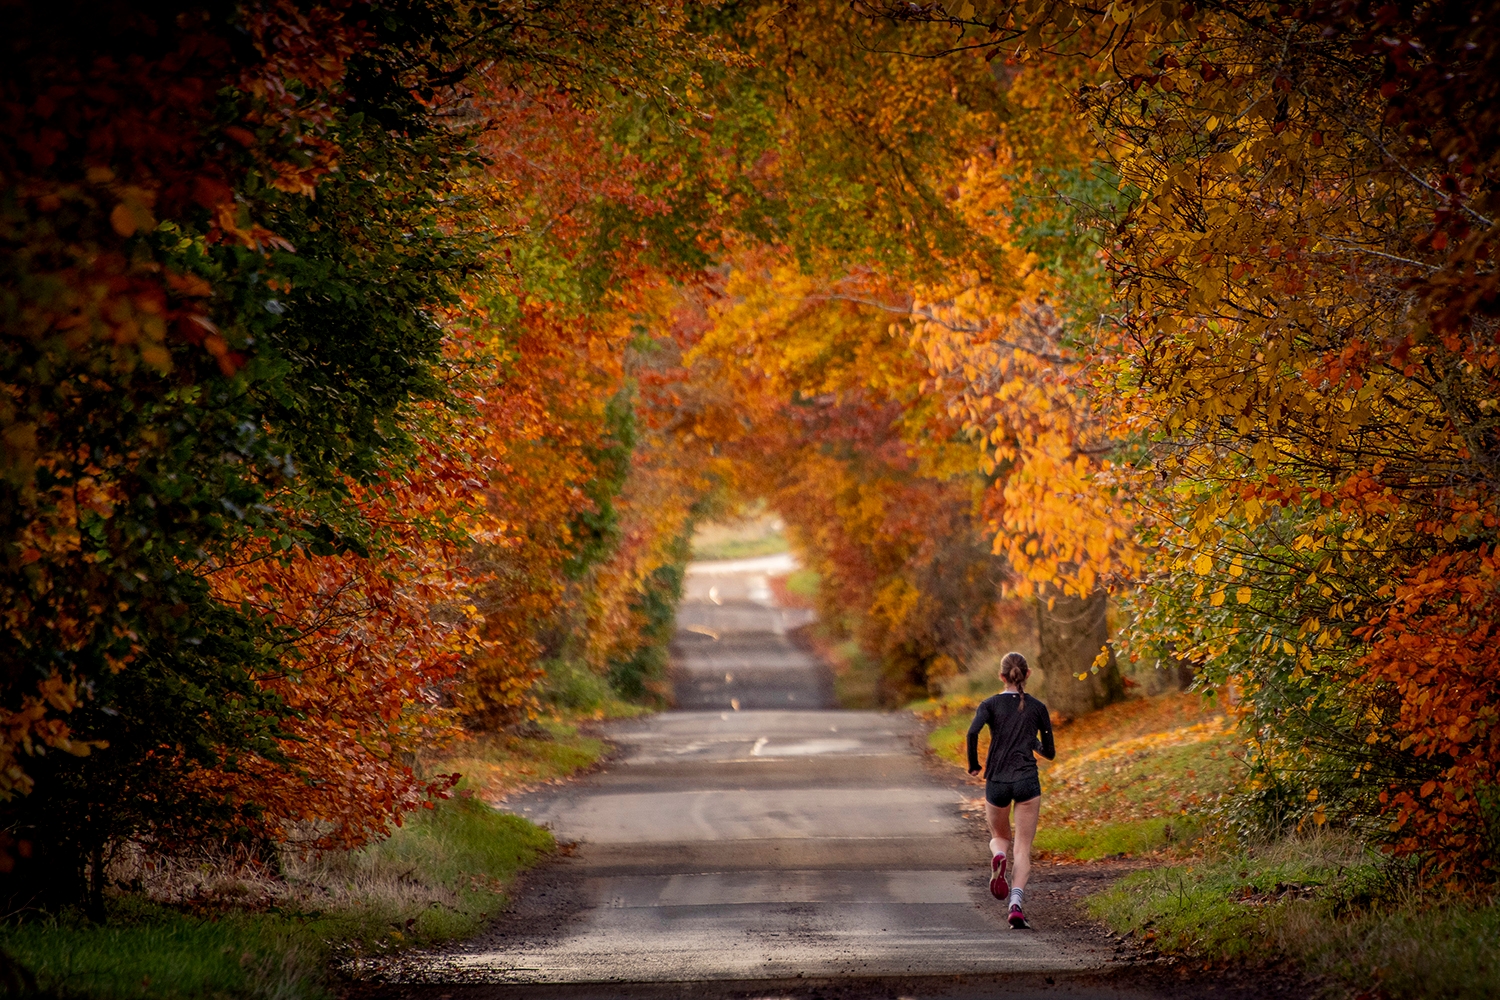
999,888
1018,919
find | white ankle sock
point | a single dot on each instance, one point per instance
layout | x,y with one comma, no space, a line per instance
1016,896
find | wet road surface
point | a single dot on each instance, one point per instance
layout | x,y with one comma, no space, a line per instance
758,837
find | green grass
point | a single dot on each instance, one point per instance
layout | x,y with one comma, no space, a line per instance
462,844
1324,902
1132,779
741,548
759,534
573,691
1109,840
495,765
438,877
804,583
148,950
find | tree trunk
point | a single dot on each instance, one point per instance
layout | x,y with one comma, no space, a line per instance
95,905
1186,673
1070,635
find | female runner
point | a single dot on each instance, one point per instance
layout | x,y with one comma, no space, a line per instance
1019,726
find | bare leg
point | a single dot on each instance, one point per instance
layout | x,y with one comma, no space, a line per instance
1026,817
999,820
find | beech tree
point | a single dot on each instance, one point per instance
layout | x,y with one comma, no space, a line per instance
1307,354
247,438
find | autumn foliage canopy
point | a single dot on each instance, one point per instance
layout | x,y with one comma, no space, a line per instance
361,360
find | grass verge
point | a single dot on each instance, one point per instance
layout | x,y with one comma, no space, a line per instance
1131,779
1325,902
438,877
205,927
495,765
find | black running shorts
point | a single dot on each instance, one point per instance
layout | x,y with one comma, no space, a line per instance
1002,793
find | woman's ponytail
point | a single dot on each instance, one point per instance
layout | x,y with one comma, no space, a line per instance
1014,670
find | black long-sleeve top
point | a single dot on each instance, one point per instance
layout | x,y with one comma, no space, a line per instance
1019,726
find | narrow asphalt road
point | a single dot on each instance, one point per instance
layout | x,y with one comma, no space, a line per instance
757,842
